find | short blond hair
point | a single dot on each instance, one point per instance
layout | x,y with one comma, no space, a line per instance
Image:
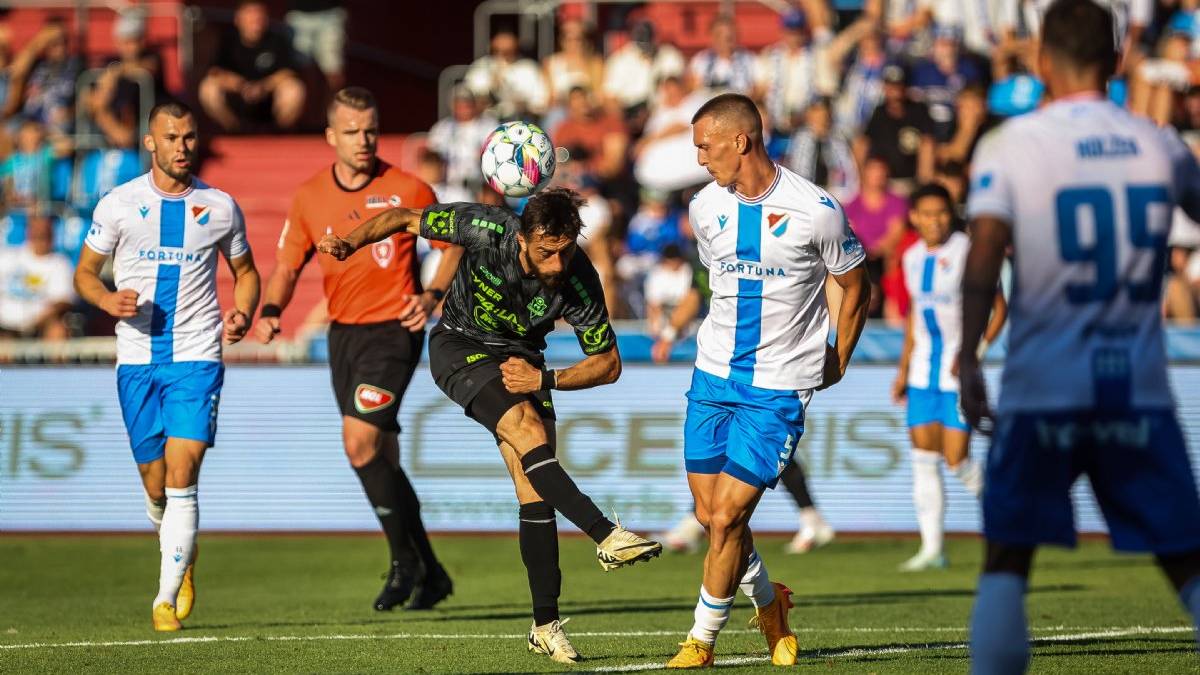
358,98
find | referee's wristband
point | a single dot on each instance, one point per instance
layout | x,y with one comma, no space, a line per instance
271,312
549,379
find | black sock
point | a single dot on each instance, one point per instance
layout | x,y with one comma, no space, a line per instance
546,476
378,479
539,552
416,528
793,479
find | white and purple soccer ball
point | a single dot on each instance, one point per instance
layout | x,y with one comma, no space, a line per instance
518,159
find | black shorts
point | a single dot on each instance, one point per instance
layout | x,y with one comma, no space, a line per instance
371,365
468,372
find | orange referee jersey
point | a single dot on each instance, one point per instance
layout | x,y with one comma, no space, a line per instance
368,287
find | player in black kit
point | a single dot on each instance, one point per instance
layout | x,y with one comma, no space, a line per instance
519,275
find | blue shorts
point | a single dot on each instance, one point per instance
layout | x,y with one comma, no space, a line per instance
1136,462
176,400
744,431
932,406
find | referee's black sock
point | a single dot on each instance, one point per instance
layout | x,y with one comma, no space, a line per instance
546,476
378,479
416,528
795,482
539,552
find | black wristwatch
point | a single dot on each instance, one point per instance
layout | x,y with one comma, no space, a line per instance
437,293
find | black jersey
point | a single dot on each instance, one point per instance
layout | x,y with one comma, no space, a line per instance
491,298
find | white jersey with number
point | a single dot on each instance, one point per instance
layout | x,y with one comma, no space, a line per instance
165,247
1089,191
768,257
934,280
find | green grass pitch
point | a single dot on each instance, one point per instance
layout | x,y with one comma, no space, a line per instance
302,604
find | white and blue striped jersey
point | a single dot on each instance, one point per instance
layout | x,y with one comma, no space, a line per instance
165,247
934,281
1088,190
768,258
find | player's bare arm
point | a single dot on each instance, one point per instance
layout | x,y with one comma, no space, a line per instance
121,304
420,307
376,229
280,287
900,386
521,377
246,286
989,240
852,316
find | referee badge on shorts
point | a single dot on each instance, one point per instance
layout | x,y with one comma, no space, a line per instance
369,398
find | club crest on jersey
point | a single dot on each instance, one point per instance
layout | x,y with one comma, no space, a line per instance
376,202
369,398
394,201
777,223
201,214
383,252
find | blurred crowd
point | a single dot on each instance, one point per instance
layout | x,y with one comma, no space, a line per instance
71,129
868,105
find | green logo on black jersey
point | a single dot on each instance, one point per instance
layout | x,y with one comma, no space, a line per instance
440,222
597,338
537,307
487,274
475,357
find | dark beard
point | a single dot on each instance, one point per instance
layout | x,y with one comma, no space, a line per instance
169,168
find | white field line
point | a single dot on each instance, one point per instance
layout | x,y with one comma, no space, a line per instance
852,653
1092,632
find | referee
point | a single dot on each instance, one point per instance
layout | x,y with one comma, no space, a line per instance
378,314
520,275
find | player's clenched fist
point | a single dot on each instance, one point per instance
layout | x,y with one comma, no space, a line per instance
519,376
236,325
121,304
266,329
333,245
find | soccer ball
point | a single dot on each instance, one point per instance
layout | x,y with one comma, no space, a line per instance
518,159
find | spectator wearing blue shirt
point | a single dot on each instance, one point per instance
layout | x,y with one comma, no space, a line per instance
939,78
652,228
42,80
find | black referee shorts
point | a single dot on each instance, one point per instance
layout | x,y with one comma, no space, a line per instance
371,365
468,372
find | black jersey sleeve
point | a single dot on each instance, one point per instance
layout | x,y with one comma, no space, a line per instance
472,226
585,309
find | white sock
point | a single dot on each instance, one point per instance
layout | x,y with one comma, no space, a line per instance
929,499
711,616
176,541
755,584
971,475
810,518
154,511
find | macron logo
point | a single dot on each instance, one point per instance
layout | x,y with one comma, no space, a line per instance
721,220
826,200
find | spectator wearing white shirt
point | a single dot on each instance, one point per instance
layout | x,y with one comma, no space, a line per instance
667,285
35,285
724,66
787,72
664,157
634,70
459,138
514,84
